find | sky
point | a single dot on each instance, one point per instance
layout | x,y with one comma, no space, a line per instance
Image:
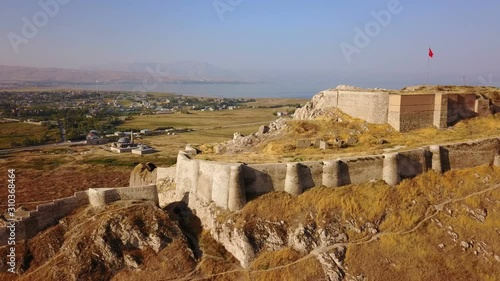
319,37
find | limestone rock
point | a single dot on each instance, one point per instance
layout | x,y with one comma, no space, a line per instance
143,174
190,149
324,145
351,141
381,141
340,144
317,142
465,245
263,130
347,88
478,214
303,143
330,268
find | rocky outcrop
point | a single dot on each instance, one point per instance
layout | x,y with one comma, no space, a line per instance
97,244
143,174
245,241
322,103
241,143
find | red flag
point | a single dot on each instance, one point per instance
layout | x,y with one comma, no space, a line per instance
431,54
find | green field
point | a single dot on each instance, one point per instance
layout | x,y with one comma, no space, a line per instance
11,133
201,119
210,127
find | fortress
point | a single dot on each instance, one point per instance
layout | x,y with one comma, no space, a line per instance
210,187
403,110
230,185
206,186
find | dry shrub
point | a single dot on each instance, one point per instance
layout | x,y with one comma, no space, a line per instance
308,269
268,259
306,128
278,148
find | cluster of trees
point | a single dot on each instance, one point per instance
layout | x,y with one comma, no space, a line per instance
28,141
77,126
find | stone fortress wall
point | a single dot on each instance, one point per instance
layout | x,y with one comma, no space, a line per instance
49,214
403,111
228,185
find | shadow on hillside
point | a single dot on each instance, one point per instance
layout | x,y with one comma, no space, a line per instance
189,223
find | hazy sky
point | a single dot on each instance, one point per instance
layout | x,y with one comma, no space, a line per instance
260,34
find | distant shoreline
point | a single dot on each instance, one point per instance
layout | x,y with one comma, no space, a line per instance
198,89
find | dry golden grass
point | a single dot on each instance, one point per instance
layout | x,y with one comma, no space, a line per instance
407,248
391,209
268,259
307,269
284,147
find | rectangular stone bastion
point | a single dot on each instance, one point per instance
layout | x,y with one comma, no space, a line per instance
49,214
231,185
405,111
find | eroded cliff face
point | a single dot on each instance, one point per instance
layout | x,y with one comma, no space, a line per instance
319,105
246,239
433,225
103,243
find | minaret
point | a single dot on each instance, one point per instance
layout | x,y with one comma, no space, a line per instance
131,137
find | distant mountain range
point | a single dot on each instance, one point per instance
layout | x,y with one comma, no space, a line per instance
183,72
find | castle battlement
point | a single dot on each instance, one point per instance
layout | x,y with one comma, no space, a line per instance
228,185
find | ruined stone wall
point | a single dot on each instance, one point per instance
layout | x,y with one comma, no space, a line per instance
164,173
49,214
409,112
402,111
355,170
44,216
294,178
369,106
103,196
264,178
413,162
209,181
469,154
215,182
460,107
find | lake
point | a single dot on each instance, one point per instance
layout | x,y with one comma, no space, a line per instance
257,90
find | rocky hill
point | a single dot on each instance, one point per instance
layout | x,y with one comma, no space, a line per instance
433,227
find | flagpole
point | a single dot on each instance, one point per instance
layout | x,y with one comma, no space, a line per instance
428,60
